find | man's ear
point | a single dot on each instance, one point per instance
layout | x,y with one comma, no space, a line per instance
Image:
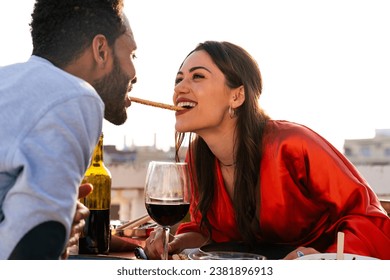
238,97
101,50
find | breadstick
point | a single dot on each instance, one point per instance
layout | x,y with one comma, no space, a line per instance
156,104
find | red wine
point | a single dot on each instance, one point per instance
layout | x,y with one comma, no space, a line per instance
167,214
96,237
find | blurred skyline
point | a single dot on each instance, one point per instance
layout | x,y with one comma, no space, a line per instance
325,64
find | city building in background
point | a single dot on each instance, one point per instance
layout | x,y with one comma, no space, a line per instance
373,151
372,158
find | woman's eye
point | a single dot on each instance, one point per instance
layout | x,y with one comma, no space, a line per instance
194,77
197,76
178,80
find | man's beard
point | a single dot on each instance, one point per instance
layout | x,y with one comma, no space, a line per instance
112,89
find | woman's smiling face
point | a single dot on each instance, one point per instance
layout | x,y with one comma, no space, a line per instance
201,87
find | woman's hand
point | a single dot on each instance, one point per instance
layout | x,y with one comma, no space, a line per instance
82,212
299,252
154,243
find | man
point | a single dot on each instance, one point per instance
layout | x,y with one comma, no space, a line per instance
51,113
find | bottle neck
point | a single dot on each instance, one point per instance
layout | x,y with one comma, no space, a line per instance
97,156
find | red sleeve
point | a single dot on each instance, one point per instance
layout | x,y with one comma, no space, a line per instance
352,204
317,192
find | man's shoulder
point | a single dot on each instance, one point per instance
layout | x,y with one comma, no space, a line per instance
43,76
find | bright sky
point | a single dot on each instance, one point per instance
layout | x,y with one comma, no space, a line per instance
325,64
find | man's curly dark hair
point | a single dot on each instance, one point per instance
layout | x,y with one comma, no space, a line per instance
62,29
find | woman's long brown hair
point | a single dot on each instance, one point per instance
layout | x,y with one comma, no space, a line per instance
239,68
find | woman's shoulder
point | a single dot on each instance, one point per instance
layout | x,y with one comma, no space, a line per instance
284,127
292,133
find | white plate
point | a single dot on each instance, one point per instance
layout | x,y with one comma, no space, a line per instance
332,256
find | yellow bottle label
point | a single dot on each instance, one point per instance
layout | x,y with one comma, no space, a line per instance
100,198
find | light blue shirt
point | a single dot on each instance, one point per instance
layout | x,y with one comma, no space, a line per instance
50,122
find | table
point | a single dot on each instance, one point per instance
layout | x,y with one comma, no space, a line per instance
120,247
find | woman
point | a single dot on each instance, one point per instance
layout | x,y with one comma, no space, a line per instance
262,181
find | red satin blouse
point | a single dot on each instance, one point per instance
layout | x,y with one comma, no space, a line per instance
309,192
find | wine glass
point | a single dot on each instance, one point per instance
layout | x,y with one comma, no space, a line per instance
167,195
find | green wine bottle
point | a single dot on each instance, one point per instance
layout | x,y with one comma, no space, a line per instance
96,236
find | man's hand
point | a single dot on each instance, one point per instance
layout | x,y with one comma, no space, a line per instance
80,215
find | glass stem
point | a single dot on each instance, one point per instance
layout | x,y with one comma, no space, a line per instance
164,255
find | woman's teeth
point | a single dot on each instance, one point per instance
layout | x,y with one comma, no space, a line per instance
187,104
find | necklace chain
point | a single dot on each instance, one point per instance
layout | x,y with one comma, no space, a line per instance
226,165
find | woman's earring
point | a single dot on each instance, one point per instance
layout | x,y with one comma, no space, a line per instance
232,112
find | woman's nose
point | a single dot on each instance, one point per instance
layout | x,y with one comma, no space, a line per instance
182,87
